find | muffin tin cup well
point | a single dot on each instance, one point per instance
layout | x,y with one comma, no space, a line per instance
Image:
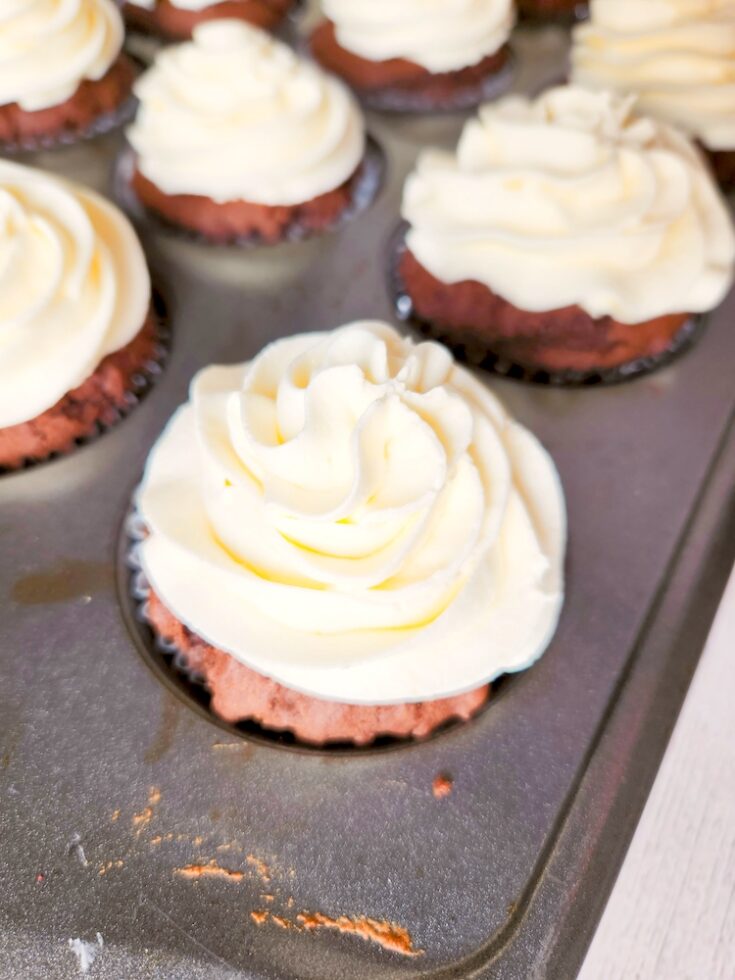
142,382
170,665
470,348
365,185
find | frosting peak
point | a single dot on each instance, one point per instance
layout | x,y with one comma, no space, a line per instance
365,522
235,115
678,56
573,199
49,47
74,287
439,35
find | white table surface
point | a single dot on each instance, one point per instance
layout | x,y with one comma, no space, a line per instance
671,915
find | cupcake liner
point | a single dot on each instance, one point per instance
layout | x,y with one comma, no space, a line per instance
398,100
102,124
142,382
365,184
469,348
170,665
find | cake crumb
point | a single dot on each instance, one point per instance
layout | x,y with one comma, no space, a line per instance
142,819
259,916
115,816
281,922
389,935
261,868
210,870
442,786
267,898
109,865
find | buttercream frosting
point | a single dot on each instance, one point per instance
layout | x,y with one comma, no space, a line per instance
74,287
236,115
439,35
356,516
678,56
573,199
49,47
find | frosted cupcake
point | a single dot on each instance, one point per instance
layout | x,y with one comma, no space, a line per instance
236,137
566,234
177,19
76,330
417,54
677,56
363,540
62,73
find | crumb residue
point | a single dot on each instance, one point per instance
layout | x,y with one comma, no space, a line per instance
442,786
267,898
389,935
142,819
261,868
210,870
115,816
259,916
226,745
109,865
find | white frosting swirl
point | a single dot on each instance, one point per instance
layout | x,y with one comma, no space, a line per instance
235,115
74,287
439,35
676,55
572,199
361,520
49,47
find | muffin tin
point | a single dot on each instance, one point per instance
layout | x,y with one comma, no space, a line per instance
197,853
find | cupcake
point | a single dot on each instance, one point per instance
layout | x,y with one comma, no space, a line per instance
177,18
566,235
363,540
414,55
236,137
677,56
75,319
542,9
62,73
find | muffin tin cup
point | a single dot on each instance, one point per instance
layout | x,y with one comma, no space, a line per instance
469,347
143,381
365,186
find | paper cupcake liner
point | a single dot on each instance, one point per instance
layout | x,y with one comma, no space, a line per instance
365,184
469,348
102,124
395,99
170,665
142,382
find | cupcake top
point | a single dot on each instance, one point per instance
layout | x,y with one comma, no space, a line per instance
439,35
48,48
677,55
235,115
74,287
572,199
362,520
181,4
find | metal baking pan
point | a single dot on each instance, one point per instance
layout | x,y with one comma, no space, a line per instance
116,796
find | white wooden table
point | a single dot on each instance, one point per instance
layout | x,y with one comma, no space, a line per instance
671,915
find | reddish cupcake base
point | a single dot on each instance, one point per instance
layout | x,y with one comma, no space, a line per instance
239,693
550,8
233,220
97,402
398,75
555,341
91,101
175,23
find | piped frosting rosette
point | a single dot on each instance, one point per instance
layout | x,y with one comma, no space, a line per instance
49,47
357,517
74,287
676,55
